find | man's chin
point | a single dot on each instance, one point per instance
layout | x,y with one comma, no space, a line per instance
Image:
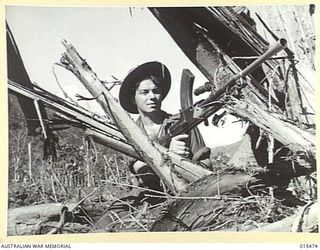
152,107
153,110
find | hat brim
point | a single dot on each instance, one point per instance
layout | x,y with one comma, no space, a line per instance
128,86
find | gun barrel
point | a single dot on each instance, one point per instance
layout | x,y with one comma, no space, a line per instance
277,47
274,49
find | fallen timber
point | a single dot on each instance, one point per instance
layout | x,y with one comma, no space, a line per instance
28,220
76,115
208,186
193,222
223,185
107,134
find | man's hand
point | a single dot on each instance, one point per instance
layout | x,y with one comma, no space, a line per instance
178,145
137,165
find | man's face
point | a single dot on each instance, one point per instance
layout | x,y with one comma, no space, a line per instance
148,97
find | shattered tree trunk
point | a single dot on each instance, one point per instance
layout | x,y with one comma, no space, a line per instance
293,137
211,41
295,23
204,49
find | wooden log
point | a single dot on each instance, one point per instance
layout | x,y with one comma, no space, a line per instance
306,220
198,206
183,166
30,220
291,136
24,220
160,163
112,142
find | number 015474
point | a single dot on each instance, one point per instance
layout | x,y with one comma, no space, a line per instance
309,246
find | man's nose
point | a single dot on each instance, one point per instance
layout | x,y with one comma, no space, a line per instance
151,94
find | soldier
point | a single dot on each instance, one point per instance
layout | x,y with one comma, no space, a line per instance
142,92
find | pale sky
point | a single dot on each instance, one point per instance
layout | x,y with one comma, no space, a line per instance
113,42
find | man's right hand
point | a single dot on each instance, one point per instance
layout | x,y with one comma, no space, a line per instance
178,145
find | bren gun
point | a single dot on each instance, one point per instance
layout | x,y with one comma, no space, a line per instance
190,117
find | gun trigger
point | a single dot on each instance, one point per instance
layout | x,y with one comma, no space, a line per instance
197,112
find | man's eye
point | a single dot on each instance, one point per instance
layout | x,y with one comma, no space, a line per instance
156,91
